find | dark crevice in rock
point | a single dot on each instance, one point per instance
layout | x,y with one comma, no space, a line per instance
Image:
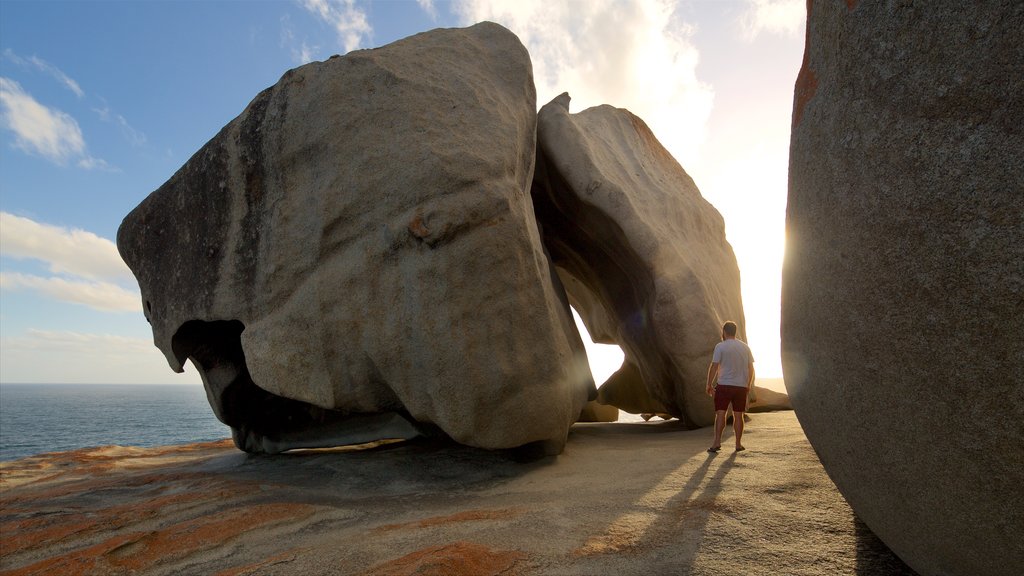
263,422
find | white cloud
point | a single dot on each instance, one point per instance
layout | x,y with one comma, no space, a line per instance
66,251
782,17
304,54
634,55
345,17
102,296
48,68
86,268
38,129
74,357
90,163
428,7
41,130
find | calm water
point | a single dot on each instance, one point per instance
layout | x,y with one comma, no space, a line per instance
38,418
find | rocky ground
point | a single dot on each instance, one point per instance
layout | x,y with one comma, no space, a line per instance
624,498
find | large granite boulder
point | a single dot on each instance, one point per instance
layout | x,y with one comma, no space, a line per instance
903,288
623,217
357,255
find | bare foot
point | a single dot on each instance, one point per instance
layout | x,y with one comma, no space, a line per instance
740,448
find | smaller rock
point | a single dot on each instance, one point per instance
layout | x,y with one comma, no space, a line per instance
625,390
595,412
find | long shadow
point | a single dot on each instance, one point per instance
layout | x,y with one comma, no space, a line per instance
688,498
409,468
335,477
874,557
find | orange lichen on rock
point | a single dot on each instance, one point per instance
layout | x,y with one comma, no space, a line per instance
456,559
36,532
466,516
142,550
619,538
806,80
91,462
283,557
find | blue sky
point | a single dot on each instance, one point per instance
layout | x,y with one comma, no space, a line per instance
101,102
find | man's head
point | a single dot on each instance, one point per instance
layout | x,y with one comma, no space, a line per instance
728,330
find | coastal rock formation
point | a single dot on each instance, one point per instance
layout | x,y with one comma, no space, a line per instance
594,411
625,389
622,499
356,255
623,217
767,400
903,288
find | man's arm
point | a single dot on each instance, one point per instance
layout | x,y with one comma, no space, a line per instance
750,370
712,375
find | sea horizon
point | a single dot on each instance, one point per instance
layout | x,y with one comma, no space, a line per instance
37,418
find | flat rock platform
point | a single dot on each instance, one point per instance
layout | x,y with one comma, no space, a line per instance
624,498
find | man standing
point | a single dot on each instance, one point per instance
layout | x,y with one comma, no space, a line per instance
733,366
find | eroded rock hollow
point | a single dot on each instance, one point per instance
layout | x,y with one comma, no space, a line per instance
357,256
623,218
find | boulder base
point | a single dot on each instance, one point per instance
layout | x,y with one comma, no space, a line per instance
903,288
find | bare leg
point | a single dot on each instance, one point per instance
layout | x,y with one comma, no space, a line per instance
719,428
737,427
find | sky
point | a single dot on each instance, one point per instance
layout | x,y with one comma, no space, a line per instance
101,102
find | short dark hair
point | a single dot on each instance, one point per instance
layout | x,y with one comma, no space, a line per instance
729,328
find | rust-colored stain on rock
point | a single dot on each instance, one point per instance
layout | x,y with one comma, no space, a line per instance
806,80
456,559
51,467
417,228
282,558
465,516
136,551
36,532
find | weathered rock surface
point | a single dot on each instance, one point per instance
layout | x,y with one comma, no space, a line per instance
625,389
623,217
767,400
597,412
623,499
360,243
903,291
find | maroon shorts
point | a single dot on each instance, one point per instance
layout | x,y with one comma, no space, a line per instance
735,395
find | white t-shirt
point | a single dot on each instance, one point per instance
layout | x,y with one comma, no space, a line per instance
732,356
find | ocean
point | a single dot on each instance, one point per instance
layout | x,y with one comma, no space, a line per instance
37,418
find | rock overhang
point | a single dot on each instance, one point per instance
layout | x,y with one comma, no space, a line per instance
308,257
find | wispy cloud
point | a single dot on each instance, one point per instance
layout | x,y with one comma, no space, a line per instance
347,19
86,268
44,66
102,296
38,129
134,137
782,17
428,7
67,341
65,251
637,55
302,53
52,356
41,130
